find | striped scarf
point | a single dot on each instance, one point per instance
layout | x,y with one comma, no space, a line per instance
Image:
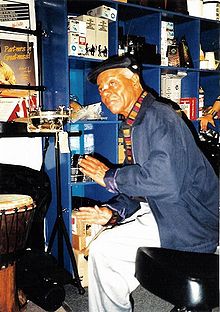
128,125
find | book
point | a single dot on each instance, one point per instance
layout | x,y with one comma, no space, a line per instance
188,106
17,66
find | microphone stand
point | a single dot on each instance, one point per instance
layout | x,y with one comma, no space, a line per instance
59,225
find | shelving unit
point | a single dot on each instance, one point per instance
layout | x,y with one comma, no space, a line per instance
65,75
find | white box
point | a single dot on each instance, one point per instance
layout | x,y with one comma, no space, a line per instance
76,26
104,12
102,38
76,44
171,86
195,7
211,9
91,49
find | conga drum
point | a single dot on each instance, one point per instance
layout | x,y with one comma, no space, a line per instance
16,215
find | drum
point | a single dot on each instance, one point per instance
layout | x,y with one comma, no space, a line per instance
16,215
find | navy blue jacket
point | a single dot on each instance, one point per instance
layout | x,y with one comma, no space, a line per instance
173,175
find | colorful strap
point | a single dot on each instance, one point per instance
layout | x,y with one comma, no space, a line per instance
127,128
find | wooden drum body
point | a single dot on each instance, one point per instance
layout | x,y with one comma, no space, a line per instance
16,215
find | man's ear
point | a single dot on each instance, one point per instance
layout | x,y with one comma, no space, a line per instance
135,80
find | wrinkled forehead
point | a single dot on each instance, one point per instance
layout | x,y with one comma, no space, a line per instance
114,73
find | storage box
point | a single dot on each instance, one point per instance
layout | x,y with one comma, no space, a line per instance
171,86
76,26
188,105
102,38
80,242
82,266
104,12
195,7
76,44
90,48
79,227
211,9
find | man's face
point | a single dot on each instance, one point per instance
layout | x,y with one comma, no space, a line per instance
116,88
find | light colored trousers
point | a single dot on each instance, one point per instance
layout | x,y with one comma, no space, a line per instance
111,261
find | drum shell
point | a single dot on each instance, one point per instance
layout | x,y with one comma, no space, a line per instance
14,229
15,224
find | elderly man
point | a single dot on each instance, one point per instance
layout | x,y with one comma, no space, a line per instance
166,190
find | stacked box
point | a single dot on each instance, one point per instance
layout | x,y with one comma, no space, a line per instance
76,37
88,37
101,38
90,47
104,12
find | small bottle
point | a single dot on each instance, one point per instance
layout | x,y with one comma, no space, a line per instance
201,101
173,54
185,56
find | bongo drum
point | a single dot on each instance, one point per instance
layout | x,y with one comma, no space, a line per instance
16,215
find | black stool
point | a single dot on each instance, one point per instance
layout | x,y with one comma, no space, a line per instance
188,280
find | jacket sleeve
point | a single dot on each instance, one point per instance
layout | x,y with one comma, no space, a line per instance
124,205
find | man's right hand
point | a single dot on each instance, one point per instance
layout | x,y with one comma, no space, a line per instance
93,168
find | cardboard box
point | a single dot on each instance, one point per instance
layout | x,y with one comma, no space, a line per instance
104,12
90,48
80,242
102,38
79,227
82,266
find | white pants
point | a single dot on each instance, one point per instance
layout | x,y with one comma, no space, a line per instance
111,262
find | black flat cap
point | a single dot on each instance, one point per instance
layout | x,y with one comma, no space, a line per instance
125,61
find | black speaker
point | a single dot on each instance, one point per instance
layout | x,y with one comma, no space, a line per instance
41,279
47,294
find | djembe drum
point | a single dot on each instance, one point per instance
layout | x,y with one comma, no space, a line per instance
16,215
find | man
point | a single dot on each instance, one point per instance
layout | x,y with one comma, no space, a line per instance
166,190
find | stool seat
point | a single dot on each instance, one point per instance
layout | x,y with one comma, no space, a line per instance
185,279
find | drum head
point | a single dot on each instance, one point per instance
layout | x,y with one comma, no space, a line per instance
8,202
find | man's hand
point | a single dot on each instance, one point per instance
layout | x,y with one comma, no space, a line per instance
94,215
93,168
204,120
